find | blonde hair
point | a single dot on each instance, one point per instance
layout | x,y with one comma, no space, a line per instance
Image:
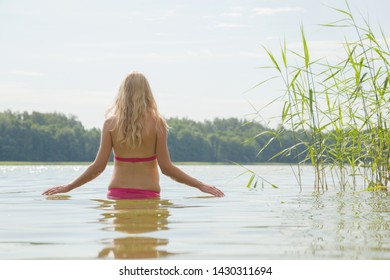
133,102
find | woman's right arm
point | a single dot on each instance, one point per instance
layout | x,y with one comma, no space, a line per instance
169,169
95,169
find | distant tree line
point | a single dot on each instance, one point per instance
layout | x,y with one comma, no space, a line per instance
45,137
225,140
56,137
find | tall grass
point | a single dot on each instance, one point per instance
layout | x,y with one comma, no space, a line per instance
339,112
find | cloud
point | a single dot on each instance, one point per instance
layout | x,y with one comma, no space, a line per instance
234,12
267,11
26,73
161,15
230,25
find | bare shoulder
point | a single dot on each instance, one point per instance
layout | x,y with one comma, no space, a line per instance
109,123
162,125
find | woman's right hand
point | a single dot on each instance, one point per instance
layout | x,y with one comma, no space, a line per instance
57,189
211,190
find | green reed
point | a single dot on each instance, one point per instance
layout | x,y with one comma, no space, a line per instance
339,112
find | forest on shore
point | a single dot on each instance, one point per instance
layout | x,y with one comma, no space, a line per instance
55,137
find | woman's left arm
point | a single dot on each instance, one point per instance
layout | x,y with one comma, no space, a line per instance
95,169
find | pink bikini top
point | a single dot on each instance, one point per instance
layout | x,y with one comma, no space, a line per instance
145,159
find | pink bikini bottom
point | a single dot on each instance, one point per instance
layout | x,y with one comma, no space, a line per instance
128,193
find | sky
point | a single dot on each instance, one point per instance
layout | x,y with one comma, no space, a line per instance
201,57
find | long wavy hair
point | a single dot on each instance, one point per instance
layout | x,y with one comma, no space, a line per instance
133,102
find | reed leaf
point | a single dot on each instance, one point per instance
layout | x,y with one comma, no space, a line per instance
273,60
305,48
250,181
284,53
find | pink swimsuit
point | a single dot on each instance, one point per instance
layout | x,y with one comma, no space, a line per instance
135,159
131,193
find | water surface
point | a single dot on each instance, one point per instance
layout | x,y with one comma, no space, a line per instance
266,223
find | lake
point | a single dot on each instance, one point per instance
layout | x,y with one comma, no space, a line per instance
265,223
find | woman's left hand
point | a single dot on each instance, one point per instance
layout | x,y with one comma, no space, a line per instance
211,190
57,189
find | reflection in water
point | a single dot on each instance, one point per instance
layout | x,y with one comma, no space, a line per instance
361,225
58,197
134,218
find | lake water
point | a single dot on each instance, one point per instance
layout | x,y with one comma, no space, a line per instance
266,223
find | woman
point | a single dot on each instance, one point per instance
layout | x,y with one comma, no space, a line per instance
138,135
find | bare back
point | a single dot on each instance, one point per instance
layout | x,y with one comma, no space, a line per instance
137,175
136,166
